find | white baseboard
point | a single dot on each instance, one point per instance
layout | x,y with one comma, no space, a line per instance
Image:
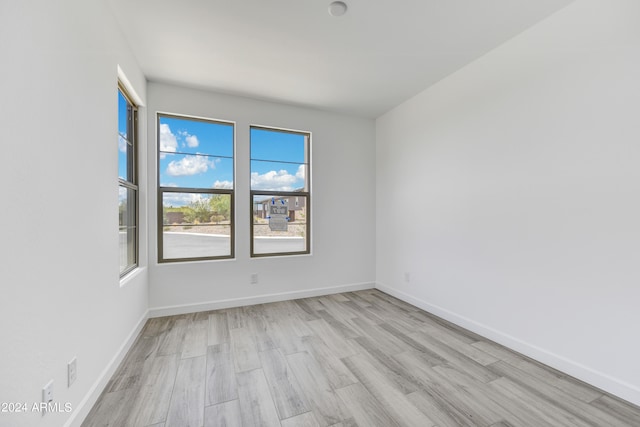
85,405
615,386
259,299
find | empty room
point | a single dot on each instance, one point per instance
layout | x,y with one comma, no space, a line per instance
320,213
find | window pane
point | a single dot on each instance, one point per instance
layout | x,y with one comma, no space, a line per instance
127,229
195,154
127,248
276,176
125,159
122,115
279,224
128,195
127,207
278,145
196,225
195,171
195,136
125,139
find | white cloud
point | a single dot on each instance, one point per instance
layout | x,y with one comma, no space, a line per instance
189,165
302,170
227,185
181,199
168,141
122,144
192,141
275,181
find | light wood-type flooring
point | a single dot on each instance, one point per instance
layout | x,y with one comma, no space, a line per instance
353,359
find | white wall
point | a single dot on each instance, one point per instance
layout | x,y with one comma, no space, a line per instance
343,205
60,289
510,193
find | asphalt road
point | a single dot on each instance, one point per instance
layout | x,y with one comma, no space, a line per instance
191,245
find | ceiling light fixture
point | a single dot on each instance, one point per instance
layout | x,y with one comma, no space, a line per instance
337,8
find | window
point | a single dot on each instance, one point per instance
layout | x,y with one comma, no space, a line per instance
195,189
280,193
127,182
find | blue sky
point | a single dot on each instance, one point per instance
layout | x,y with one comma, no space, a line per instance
277,160
195,154
198,154
122,131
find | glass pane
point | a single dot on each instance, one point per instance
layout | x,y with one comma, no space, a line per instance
189,171
127,207
278,146
279,224
125,150
196,225
127,248
122,114
125,159
195,137
275,176
128,229
125,146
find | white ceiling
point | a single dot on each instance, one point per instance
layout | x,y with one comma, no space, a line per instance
364,63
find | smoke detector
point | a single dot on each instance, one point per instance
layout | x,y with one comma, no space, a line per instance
337,8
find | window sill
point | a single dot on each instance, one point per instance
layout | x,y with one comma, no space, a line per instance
129,277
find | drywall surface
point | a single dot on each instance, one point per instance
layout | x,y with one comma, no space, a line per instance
343,208
509,193
61,295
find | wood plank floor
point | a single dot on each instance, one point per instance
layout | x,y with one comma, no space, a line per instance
354,359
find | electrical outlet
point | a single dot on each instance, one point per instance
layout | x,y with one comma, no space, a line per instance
72,371
254,278
47,392
407,277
